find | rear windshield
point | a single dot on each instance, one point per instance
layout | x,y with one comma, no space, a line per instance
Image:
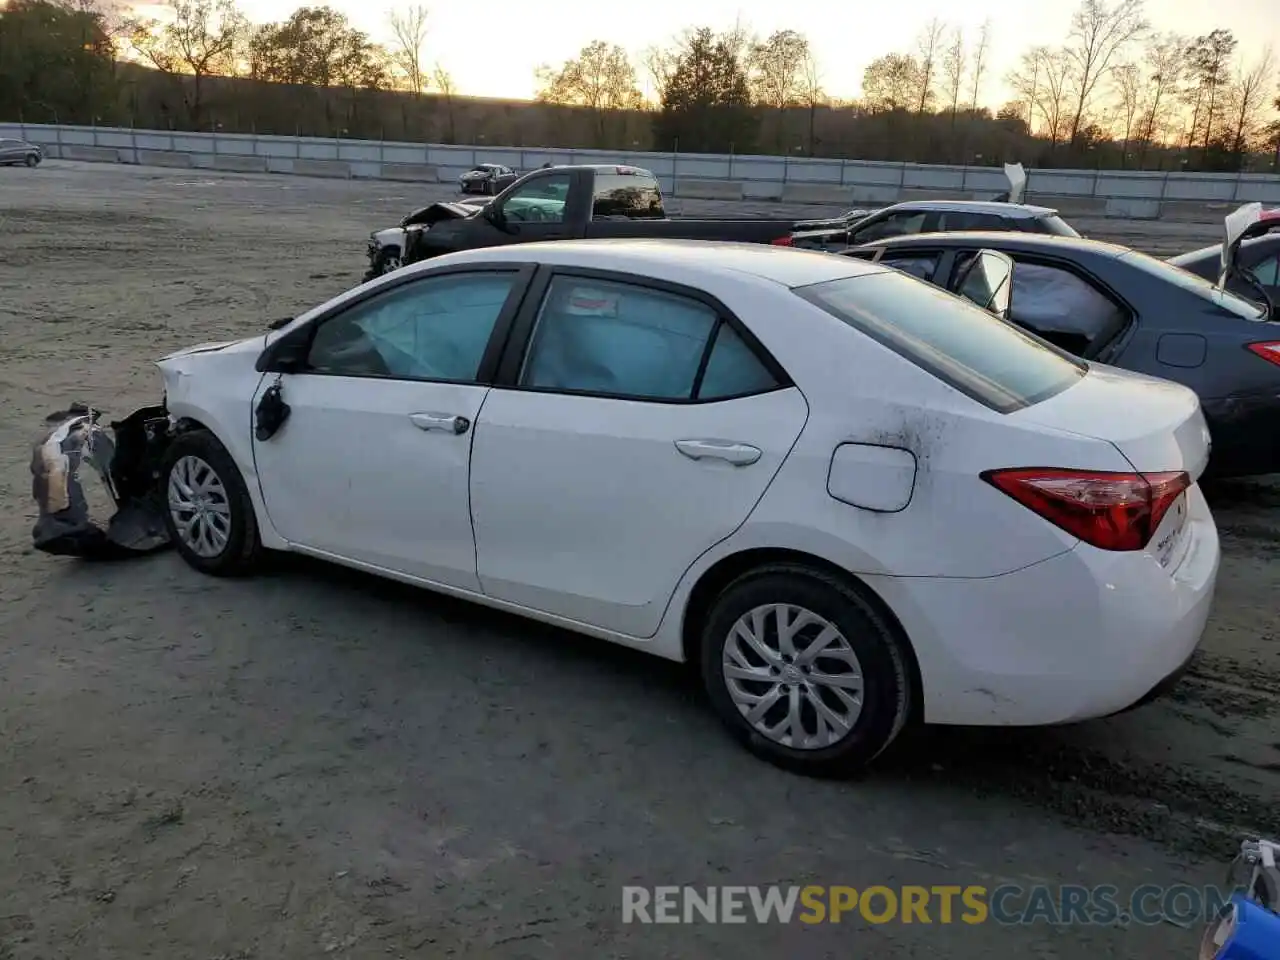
1199,286
982,356
1055,226
635,196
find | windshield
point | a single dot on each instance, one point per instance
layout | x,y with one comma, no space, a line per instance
982,356
1202,288
1055,226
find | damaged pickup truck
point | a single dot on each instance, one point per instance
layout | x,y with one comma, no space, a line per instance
557,203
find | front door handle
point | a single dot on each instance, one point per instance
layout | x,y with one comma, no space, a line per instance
440,421
739,454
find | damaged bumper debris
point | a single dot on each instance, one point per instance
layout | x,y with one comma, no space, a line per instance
127,458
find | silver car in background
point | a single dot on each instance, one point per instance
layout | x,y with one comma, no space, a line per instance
19,151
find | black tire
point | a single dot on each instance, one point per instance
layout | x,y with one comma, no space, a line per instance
242,551
32,160
877,643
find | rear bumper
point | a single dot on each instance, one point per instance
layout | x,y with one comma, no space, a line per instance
1246,435
1086,634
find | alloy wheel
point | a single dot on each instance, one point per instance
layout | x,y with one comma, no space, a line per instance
199,506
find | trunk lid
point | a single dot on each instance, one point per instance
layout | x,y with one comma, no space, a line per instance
1155,424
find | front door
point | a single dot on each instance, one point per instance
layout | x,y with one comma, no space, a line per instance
373,462
622,455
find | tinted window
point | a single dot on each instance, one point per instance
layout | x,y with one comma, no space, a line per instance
991,361
540,201
733,369
986,280
894,225
922,265
436,328
1053,225
963,220
1198,286
617,339
621,195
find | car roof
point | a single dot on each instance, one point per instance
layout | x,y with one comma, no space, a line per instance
1003,239
1016,211
667,258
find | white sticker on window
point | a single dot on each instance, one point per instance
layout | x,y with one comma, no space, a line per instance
585,302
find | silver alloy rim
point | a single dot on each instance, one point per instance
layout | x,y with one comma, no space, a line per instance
794,676
199,506
391,264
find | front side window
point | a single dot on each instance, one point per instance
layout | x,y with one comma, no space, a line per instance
951,220
436,328
617,339
541,201
980,355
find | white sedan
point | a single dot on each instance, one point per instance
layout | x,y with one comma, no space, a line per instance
849,498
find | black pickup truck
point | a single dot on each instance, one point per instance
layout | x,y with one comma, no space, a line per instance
557,203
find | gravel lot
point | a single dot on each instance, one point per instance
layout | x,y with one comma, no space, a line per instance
315,763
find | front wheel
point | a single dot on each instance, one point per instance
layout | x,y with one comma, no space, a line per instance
389,261
209,513
32,160
805,671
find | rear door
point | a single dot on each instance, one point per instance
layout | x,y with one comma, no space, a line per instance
640,427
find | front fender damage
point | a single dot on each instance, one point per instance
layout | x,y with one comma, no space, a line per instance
127,458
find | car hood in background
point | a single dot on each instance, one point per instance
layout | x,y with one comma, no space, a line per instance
437,212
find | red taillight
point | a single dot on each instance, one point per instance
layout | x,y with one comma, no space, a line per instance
1112,511
782,241
1268,350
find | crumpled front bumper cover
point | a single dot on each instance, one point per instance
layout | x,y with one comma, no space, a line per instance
127,459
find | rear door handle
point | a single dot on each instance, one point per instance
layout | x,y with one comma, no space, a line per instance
739,454
440,421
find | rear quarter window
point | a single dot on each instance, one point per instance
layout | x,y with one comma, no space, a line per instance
1197,286
982,356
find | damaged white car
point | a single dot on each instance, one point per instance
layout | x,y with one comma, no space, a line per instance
850,498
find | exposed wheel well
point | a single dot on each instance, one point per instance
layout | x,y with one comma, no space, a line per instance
721,574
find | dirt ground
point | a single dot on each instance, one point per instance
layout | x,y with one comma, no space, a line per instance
314,763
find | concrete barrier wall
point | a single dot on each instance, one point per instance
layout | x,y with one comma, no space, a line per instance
847,183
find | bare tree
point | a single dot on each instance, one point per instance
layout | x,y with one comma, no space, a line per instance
1026,80
811,93
200,38
601,78
929,44
1209,61
448,90
409,37
978,73
1163,67
776,68
1100,32
1129,93
1247,99
953,64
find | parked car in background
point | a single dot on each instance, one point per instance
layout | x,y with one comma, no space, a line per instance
931,216
569,203
487,178
1113,305
1256,260
780,467
14,152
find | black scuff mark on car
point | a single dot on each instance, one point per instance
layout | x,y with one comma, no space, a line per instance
127,459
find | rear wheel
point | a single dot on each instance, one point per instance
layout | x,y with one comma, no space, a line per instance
209,513
804,670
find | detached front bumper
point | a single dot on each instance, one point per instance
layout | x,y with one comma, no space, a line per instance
128,461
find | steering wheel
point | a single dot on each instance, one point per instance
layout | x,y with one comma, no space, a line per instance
535,214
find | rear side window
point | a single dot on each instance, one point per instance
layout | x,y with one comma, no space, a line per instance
980,355
627,195
1198,286
1062,307
951,220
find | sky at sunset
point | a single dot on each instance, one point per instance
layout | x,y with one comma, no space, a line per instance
496,54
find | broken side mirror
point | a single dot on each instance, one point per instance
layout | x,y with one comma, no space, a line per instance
288,354
987,281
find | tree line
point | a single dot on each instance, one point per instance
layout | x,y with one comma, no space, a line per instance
1115,94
